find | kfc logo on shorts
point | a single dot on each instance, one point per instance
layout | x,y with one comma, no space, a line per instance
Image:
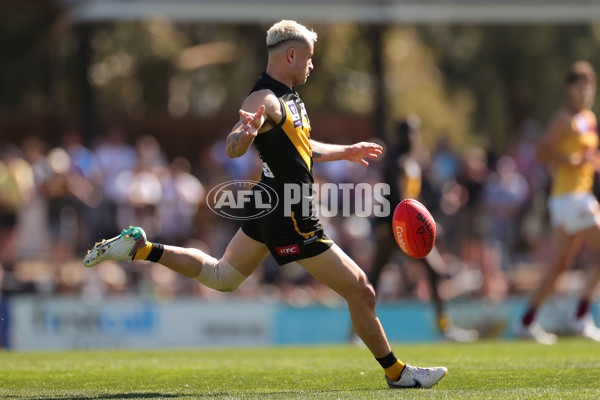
287,250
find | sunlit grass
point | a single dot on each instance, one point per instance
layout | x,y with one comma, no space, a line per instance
484,370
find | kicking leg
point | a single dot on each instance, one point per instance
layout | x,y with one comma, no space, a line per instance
243,253
242,257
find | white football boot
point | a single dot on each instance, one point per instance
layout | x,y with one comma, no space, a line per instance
585,327
119,248
416,377
536,332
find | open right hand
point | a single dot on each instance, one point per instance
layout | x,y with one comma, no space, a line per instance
251,122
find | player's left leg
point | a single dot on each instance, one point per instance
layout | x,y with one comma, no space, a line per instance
384,249
339,272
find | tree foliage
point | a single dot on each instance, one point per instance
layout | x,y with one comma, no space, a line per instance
469,83
515,72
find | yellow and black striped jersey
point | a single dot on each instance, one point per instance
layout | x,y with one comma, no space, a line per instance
292,230
285,149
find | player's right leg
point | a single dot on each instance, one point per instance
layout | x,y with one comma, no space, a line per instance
242,257
243,253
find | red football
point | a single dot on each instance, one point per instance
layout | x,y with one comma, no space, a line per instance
414,228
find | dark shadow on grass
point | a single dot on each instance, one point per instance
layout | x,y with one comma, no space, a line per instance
291,392
117,396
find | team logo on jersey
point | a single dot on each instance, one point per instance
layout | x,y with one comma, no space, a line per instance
242,199
295,114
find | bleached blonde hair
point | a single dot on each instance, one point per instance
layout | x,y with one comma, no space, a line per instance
289,30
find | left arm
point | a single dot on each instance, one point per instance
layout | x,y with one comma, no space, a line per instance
355,152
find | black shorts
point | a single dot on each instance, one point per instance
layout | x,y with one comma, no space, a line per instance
288,238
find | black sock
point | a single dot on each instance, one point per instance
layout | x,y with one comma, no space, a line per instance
156,252
387,361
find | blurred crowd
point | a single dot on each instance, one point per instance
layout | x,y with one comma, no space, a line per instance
55,202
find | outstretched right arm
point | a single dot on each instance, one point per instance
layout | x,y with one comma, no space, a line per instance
244,132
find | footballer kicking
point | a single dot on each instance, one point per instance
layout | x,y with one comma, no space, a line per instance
280,130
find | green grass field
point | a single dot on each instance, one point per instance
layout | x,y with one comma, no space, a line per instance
485,370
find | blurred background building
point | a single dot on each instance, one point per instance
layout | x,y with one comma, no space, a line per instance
114,113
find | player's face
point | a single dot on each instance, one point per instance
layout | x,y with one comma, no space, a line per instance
581,93
303,63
